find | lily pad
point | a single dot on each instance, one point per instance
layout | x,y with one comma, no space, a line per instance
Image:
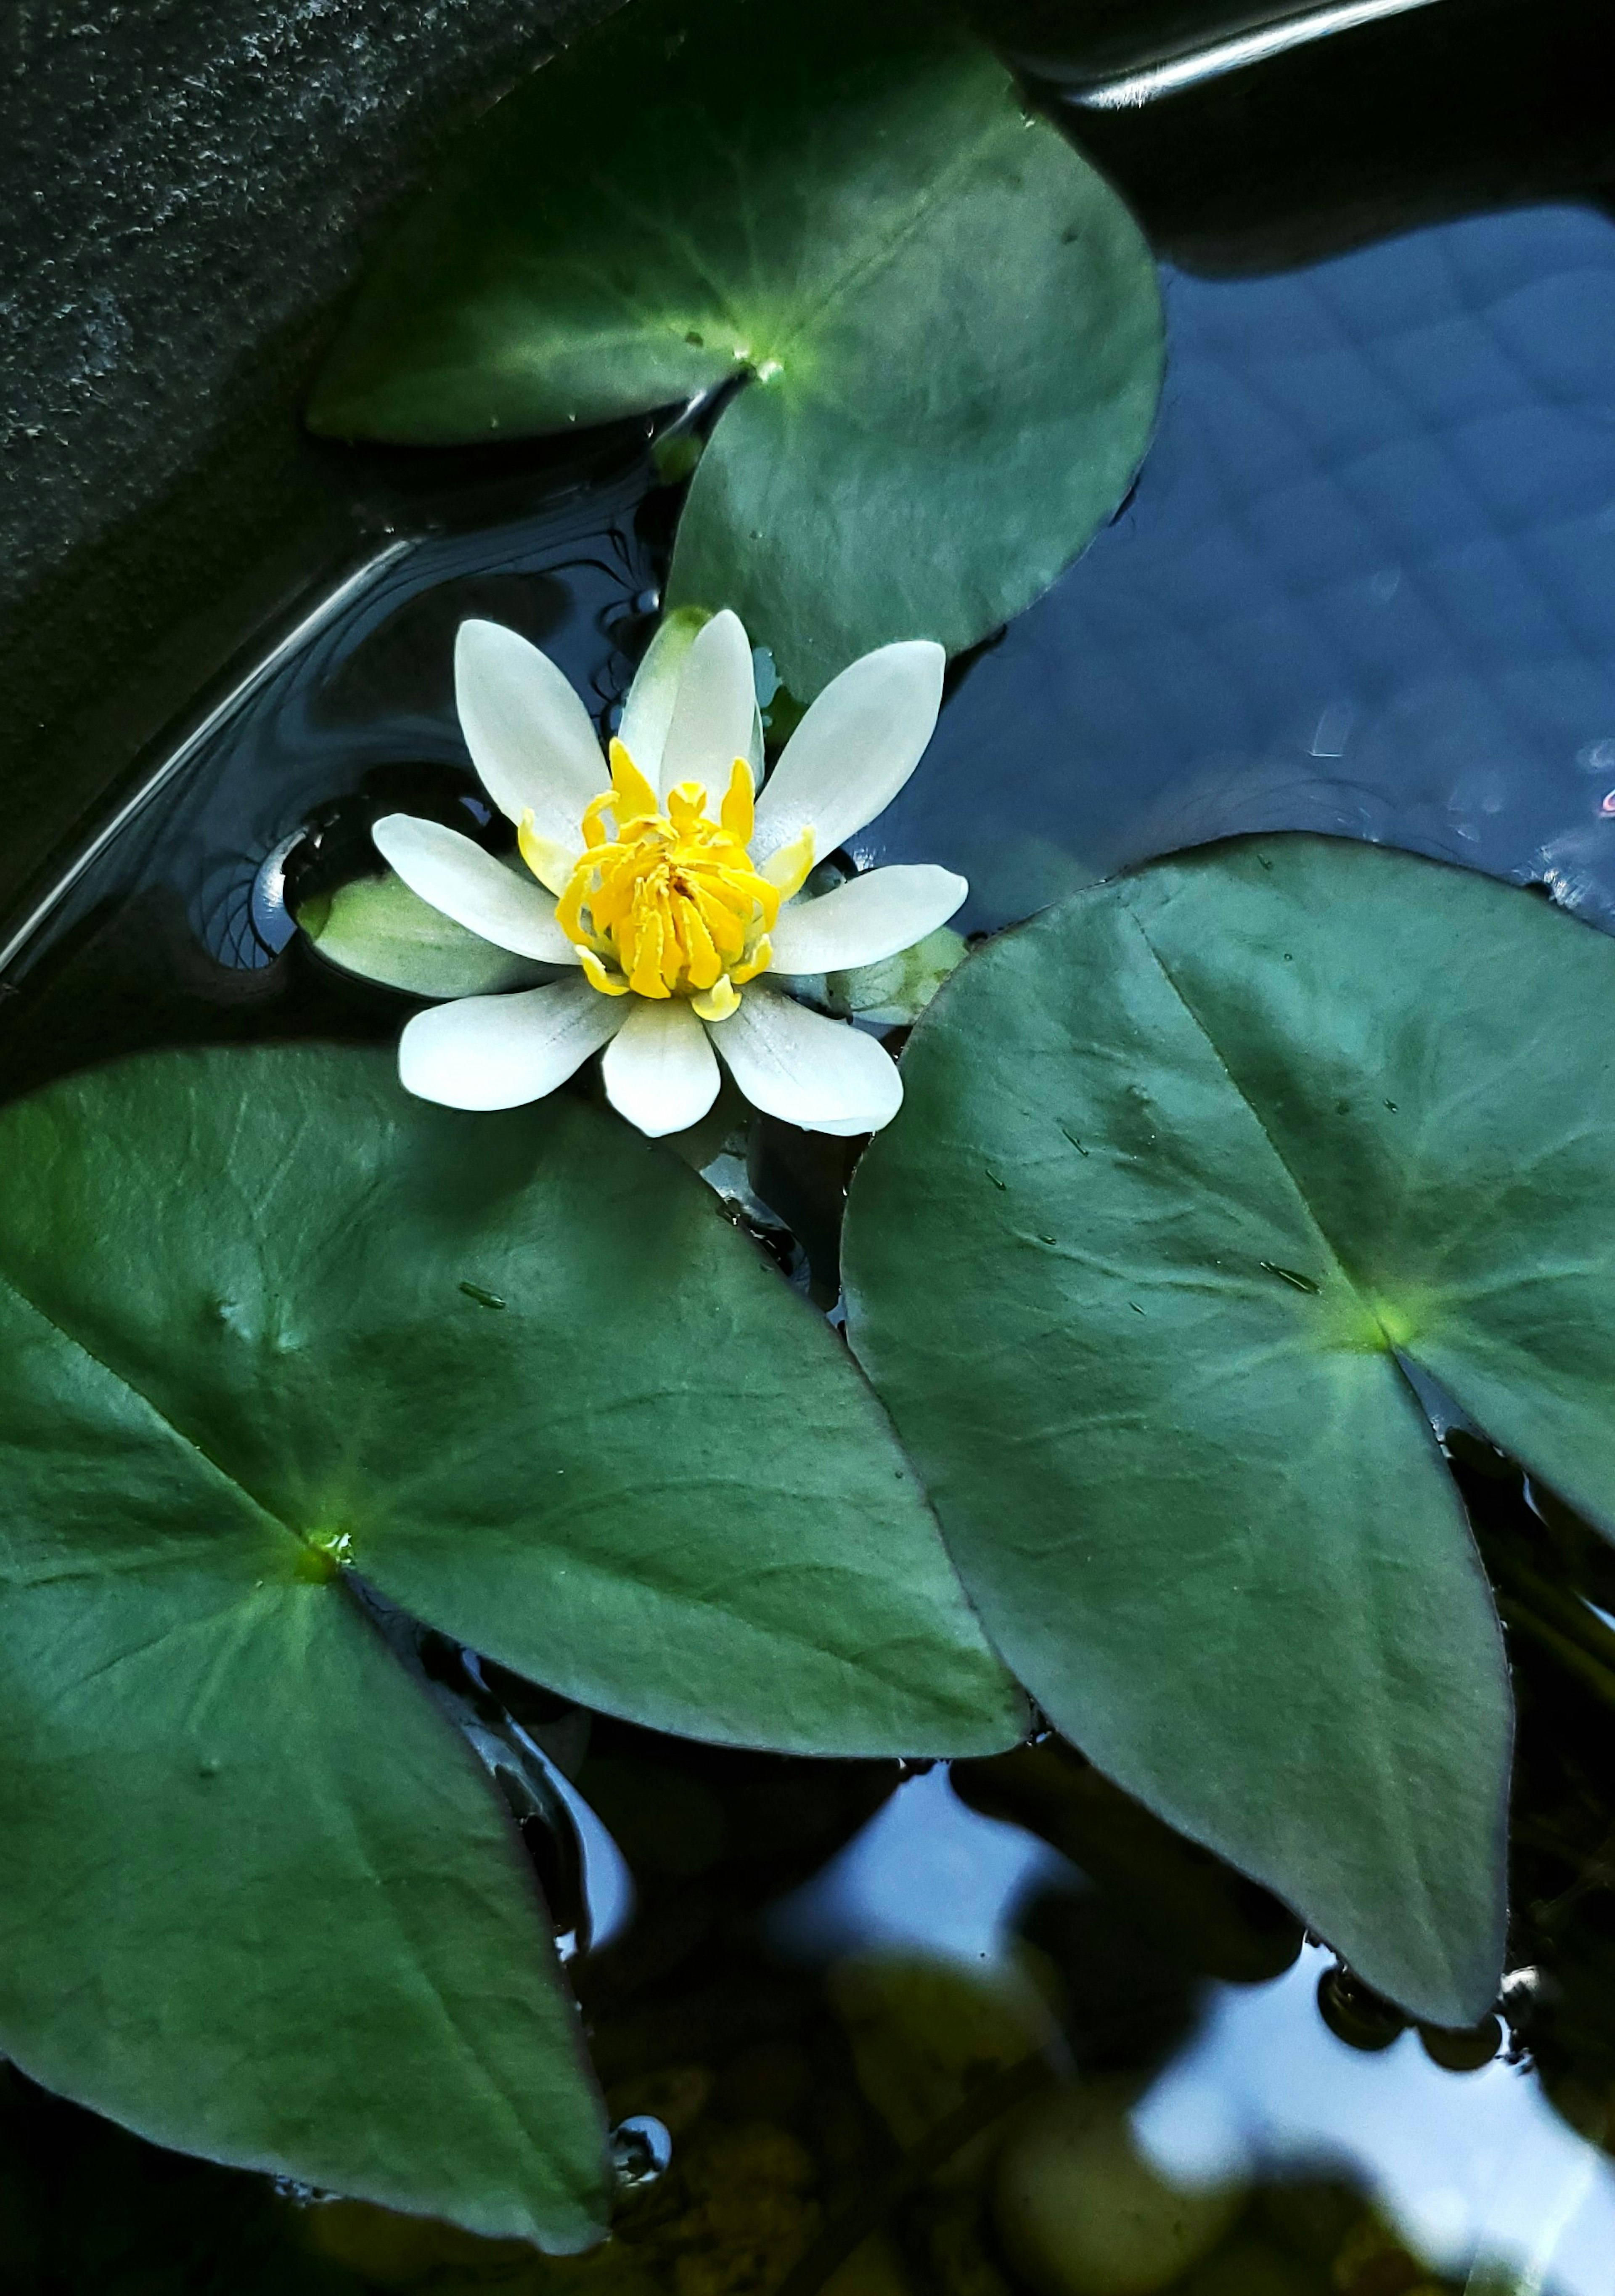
1191,1173
272,1333
948,324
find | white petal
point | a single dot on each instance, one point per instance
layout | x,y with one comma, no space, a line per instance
529,736
659,1069
853,749
648,711
469,885
823,1075
866,919
501,1051
713,716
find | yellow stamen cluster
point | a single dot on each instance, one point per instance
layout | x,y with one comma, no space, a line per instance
670,904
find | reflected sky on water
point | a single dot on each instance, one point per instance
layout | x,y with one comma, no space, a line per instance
1470,2166
1367,586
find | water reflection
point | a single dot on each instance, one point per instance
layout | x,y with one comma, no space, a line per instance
1468,2165
1471,2169
925,1872
1367,586
173,924
1281,30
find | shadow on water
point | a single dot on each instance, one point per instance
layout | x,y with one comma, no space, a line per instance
910,2033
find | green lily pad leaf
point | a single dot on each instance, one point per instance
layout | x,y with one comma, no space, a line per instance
259,1902
1189,1169
270,1331
948,324
377,927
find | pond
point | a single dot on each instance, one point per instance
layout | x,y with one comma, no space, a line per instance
882,2025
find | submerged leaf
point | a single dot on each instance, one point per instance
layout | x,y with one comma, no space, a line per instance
1189,1168
377,927
947,325
895,992
258,1901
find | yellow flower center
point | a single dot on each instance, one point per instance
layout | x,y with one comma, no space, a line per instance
670,904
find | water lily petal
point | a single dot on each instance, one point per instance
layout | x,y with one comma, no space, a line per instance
501,1051
469,885
853,749
648,711
529,736
713,716
824,1076
659,1069
866,919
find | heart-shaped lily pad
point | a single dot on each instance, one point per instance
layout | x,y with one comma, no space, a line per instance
948,324
269,1331
1188,1170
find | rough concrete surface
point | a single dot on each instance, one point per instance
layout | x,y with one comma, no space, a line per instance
179,179
187,188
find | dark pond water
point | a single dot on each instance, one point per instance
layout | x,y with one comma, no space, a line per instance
1365,585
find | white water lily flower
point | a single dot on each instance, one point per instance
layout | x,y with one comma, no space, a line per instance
670,884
